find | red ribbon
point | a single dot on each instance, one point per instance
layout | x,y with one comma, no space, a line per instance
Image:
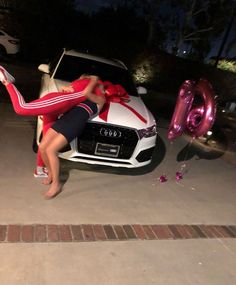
117,94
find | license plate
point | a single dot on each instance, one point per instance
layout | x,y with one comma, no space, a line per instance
107,150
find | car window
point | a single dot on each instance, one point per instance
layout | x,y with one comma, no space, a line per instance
72,67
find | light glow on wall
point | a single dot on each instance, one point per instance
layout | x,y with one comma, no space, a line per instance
143,72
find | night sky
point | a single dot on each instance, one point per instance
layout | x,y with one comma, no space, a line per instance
90,6
93,5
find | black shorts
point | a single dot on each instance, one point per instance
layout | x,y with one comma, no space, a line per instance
72,123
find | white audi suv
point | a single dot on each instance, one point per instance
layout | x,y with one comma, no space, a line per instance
127,137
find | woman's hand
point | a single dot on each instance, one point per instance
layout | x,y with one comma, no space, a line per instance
84,76
67,89
87,76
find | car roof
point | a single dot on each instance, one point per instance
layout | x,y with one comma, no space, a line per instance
114,62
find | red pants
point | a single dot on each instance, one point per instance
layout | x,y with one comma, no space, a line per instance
54,103
50,106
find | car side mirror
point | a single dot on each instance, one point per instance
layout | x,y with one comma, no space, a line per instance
141,90
44,68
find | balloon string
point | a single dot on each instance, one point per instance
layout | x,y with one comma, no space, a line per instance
163,177
185,156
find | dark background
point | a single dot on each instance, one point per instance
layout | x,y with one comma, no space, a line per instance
171,40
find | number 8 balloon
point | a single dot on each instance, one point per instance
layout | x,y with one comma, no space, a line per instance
201,118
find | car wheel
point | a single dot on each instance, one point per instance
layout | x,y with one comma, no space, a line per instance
2,52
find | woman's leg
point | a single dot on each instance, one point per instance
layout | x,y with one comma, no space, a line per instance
55,103
5,76
50,147
46,141
47,122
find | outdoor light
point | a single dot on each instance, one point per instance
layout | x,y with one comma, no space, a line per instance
207,136
209,133
143,72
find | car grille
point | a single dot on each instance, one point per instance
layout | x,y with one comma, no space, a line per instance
95,133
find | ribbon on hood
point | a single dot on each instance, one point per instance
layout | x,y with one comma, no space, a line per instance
115,93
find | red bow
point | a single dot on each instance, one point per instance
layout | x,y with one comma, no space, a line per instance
116,94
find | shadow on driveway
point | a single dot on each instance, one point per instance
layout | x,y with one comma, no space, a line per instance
214,148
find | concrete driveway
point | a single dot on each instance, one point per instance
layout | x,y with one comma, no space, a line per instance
117,226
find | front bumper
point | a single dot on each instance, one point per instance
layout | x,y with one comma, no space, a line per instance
133,151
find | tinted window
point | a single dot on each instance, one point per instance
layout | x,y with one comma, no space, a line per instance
72,67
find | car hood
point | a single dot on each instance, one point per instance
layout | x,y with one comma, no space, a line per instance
132,114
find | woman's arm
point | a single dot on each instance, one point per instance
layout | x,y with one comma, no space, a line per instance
92,82
98,99
91,85
88,92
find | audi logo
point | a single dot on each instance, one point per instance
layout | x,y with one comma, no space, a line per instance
106,132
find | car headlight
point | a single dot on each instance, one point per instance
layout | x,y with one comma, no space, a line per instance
148,132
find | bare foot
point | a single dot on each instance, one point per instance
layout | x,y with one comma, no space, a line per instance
47,180
53,191
5,77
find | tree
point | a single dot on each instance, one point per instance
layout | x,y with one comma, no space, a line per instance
224,39
198,22
117,31
151,11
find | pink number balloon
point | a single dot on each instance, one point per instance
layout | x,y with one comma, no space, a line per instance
201,119
182,108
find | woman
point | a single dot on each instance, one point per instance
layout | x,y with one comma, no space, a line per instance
68,127
52,104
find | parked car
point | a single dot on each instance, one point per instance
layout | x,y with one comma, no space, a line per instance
8,44
121,141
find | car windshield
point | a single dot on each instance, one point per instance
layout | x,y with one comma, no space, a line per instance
71,67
